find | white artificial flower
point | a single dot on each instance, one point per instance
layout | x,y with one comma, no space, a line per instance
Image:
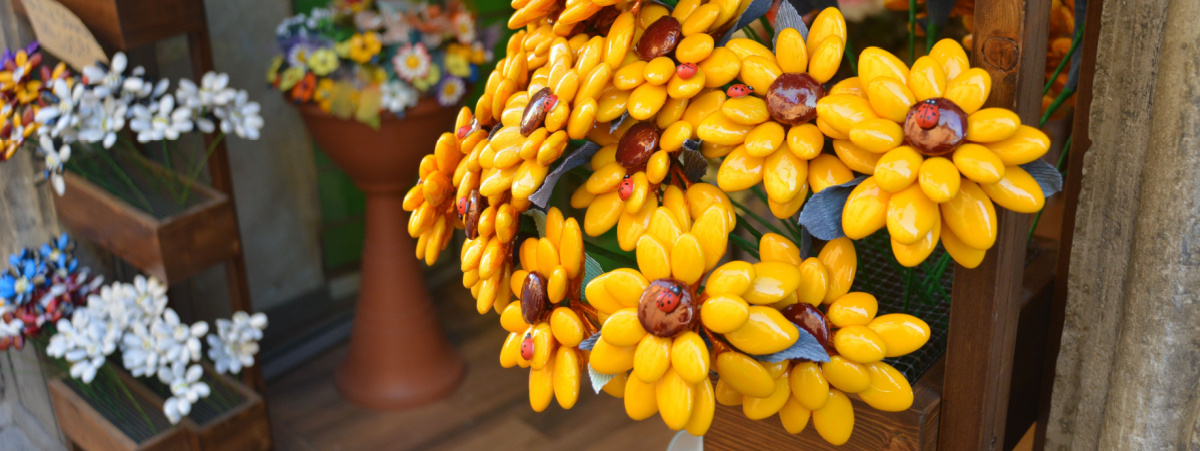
11,328
139,351
397,96
411,61
236,342
54,161
106,79
186,389
161,120
84,341
177,341
240,116
105,122
142,88
149,295
60,115
464,28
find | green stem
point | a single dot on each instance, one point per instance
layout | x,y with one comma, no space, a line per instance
191,180
745,244
931,34
767,25
750,32
117,381
742,224
1066,59
1058,101
597,249
849,54
125,178
757,218
912,31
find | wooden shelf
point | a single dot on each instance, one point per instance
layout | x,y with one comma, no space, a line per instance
123,24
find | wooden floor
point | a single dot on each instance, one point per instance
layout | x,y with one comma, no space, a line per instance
489,411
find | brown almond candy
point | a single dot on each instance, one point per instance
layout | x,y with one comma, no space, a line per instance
637,145
942,138
659,39
792,98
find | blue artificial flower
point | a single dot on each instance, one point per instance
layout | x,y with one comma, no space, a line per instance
59,254
26,273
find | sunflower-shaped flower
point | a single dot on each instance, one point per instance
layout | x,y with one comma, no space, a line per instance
650,319
432,199
937,159
547,321
767,120
848,328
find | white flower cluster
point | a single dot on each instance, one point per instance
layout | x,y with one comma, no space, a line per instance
153,341
98,106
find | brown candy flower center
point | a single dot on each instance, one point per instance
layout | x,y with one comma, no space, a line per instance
666,308
534,301
809,318
792,98
935,126
638,145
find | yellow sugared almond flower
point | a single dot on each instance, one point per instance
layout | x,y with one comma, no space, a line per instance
649,316
936,158
786,86
544,335
432,199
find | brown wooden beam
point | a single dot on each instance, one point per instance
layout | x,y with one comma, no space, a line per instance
1010,44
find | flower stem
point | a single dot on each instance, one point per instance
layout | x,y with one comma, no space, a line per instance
1066,58
912,31
191,180
125,178
745,244
757,217
117,381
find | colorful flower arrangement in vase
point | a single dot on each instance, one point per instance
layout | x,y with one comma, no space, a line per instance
639,100
363,58
47,298
56,111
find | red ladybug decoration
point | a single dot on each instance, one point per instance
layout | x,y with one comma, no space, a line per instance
686,71
550,102
625,189
927,114
462,206
739,90
668,299
527,347
463,131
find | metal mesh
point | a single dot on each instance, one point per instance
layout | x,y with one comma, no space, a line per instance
905,290
140,421
222,399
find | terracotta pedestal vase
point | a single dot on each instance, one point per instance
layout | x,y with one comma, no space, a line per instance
398,355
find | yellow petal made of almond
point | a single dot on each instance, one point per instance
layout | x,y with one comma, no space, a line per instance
653,258
646,100
875,62
766,331
852,86
764,139
829,22
950,54
773,247
732,278
740,171
794,416
631,227
687,259
970,89
652,358
641,399
889,391
910,255
856,158
541,387
898,169
689,357
598,296
1017,191
718,129
720,68
623,328
978,163
808,385
852,309
827,170
702,196
805,141
712,232
1026,144
791,52
835,421
759,72
963,254
991,125
846,375
760,408
626,286
843,111
744,374
745,48
814,282
724,313
746,110
664,227
789,209
702,409
785,176
676,399
910,215
971,216
890,98
825,60
866,210
877,135
927,79
902,333
939,179
772,282
841,261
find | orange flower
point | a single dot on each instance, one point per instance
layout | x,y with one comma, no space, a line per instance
303,91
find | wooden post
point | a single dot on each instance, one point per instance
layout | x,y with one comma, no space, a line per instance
1128,365
1010,44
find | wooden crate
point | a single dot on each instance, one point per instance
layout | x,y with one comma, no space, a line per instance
243,427
122,24
170,248
88,429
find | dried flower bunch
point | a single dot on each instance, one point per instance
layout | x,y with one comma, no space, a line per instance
362,58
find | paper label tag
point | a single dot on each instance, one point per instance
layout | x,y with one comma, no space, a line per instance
61,33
